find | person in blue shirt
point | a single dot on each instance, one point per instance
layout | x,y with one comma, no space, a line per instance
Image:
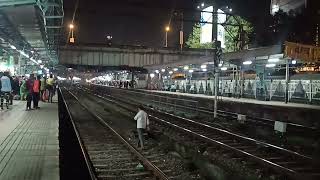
6,88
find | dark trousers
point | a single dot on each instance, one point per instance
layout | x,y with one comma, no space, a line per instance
35,97
51,91
140,136
41,95
29,99
4,95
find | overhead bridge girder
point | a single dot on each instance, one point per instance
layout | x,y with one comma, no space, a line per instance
133,57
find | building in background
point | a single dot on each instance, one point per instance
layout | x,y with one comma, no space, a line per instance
206,26
286,5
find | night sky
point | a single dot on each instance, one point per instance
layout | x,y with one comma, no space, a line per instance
142,22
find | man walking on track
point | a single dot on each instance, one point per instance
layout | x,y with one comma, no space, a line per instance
142,123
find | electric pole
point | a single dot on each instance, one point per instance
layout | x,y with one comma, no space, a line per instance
217,48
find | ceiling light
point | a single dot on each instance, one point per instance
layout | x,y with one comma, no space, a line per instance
270,65
203,66
186,67
247,62
157,71
204,70
294,61
273,60
152,75
224,68
170,72
191,71
175,69
163,70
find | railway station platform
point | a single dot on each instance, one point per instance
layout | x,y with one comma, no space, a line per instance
29,144
243,100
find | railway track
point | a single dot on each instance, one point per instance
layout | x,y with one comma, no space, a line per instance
111,156
268,156
291,127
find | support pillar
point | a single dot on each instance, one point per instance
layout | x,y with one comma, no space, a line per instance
286,98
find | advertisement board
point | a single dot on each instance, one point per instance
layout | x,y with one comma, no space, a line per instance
303,52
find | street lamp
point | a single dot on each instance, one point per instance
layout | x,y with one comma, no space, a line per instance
71,26
167,30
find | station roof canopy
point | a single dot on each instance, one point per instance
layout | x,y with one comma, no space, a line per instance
32,27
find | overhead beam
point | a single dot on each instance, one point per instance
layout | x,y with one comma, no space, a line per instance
53,27
5,3
54,17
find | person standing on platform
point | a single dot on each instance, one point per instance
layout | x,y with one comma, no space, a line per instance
50,84
6,88
16,88
36,92
142,124
29,85
23,90
42,88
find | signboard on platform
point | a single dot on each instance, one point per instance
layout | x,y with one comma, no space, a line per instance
302,52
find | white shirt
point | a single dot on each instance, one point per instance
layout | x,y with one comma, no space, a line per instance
142,119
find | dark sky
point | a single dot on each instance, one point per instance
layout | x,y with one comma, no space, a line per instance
142,22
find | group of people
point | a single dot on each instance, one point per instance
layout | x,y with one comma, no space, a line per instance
33,88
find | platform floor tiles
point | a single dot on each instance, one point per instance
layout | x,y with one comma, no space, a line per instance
29,145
